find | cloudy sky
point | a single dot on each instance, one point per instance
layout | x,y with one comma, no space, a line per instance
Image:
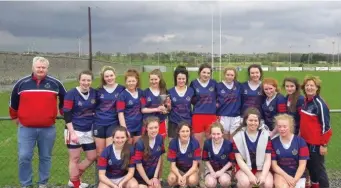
247,26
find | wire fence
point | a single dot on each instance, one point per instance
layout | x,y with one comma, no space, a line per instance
59,172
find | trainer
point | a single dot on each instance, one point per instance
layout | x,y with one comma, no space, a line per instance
33,106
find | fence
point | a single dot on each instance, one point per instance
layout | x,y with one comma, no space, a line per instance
59,171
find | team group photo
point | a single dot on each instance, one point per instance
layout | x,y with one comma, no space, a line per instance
224,133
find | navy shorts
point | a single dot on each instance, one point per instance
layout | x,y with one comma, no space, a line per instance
103,131
137,133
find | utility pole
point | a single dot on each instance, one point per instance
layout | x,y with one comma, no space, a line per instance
90,40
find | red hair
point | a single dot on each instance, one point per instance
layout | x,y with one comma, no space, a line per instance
133,73
271,81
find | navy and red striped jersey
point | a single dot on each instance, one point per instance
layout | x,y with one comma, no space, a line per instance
205,98
296,114
288,158
34,102
229,100
184,161
252,147
131,106
220,159
315,126
152,101
112,164
149,163
181,106
82,108
271,108
251,98
106,113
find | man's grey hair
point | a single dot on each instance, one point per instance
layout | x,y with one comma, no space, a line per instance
40,59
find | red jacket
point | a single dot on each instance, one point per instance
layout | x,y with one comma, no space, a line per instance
34,102
315,126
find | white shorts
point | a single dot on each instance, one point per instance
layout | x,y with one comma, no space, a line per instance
300,183
116,181
230,124
85,140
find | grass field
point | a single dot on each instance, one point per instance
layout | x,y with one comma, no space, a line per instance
331,91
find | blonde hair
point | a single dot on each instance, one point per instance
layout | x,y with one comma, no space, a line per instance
232,69
217,124
288,118
315,79
105,68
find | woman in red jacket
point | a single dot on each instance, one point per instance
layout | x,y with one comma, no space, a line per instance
315,129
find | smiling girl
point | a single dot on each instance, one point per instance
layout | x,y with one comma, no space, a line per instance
204,103
184,155
217,154
289,154
274,104
148,152
116,163
79,108
294,100
129,105
180,101
229,101
252,148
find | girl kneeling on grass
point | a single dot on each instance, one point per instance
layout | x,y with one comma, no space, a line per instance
217,156
148,154
289,155
184,154
252,148
116,164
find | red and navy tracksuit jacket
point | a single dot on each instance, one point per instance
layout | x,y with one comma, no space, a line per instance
315,126
34,102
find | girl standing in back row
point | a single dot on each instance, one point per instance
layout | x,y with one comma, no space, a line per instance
252,95
229,101
129,106
204,103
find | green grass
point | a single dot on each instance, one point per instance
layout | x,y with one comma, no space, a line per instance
59,173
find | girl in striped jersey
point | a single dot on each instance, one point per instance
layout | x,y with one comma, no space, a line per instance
274,104
116,163
184,154
289,154
204,103
252,148
217,154
252,95
294,100
229,101
129,106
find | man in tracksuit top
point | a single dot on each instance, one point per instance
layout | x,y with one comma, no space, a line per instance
33,106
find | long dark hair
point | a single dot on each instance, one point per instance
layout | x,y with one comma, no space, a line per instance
203,66
293,98
145,137
180,125
180,70
162,83
247,113
125,153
